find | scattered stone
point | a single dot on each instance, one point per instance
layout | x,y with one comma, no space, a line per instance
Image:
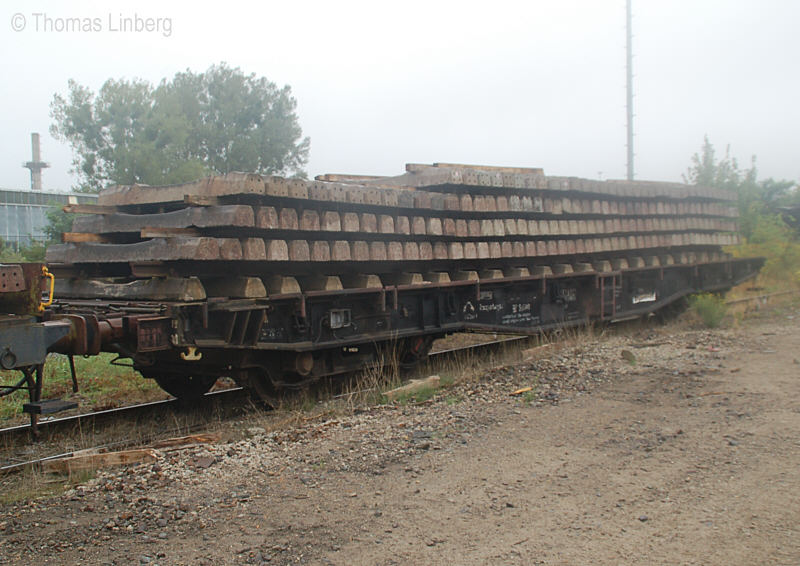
204,461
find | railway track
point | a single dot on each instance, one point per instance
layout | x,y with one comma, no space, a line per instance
16,440
222,402
216,402
762,299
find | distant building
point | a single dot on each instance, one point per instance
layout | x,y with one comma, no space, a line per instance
23,214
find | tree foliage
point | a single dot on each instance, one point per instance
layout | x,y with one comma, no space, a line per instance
58,222
760,222
217,121
758,201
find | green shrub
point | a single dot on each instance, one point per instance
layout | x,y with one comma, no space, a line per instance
782,267
709,307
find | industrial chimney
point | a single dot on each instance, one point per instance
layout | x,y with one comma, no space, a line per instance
36,164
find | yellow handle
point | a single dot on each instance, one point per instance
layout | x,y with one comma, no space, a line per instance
46,273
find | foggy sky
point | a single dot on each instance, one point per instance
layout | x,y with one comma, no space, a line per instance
537,83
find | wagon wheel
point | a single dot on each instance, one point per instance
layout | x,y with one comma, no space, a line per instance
262,387
412,352
185,387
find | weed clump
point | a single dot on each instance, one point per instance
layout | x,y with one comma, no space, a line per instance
709,307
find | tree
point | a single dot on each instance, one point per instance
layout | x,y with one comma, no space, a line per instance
707,171
58,222
765,232
217,121
756,200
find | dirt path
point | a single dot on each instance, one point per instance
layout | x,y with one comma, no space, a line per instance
691,456
646,471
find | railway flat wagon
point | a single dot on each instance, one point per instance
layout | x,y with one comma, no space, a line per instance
276,282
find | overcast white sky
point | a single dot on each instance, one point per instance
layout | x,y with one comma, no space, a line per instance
378,84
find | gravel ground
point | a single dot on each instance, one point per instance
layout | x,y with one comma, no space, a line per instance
670,445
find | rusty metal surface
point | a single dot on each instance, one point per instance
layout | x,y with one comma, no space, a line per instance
12,279
152,333
21,291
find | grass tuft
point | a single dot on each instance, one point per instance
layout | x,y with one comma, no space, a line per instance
32,484
101,385
709,307
419,396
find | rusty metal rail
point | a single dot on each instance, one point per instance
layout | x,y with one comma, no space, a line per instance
763,298
17,436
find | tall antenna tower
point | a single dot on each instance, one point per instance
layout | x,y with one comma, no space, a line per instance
629,87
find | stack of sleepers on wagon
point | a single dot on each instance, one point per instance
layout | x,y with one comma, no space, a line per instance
244,235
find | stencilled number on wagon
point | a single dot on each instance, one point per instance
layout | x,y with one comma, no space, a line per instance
518,308
521,315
